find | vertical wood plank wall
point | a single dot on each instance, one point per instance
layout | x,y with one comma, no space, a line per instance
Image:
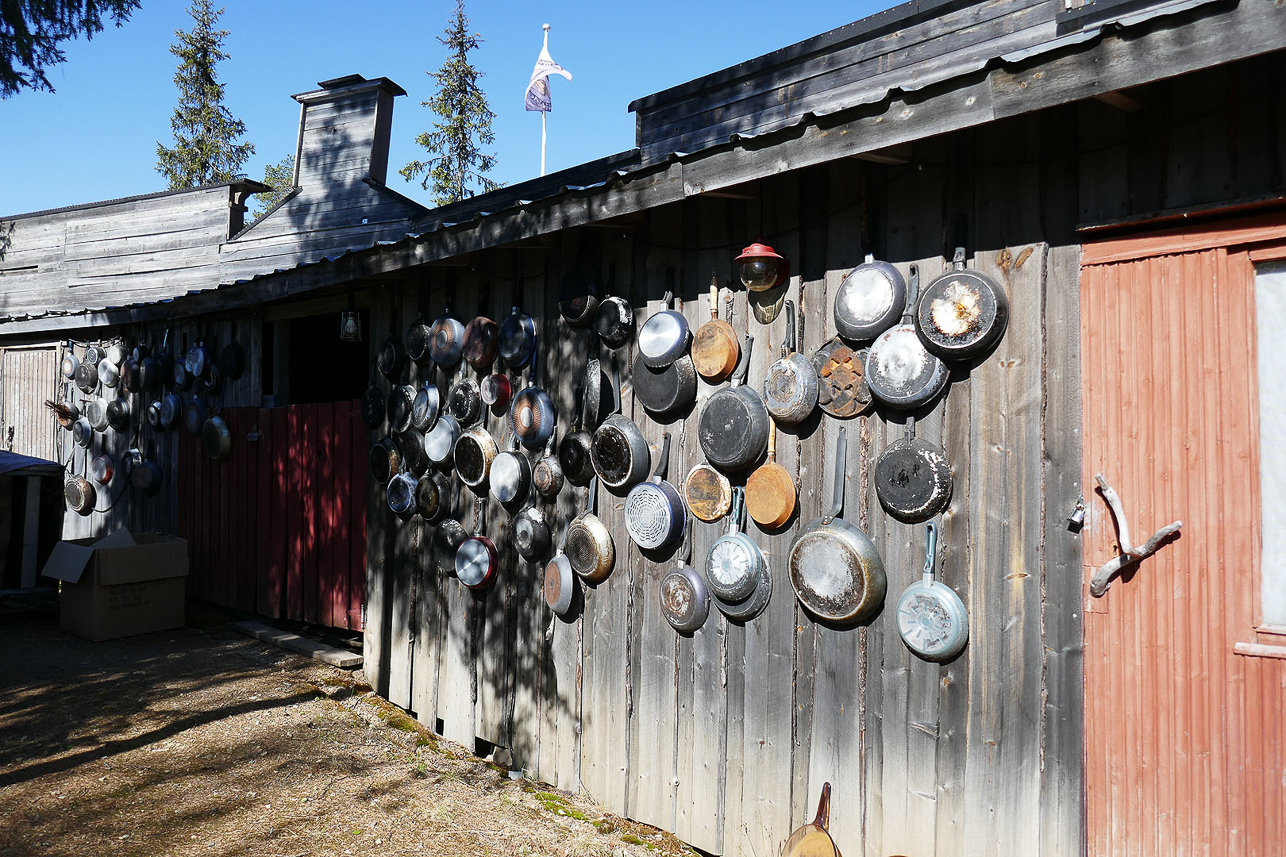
29,376
726,736
271,539
1185,745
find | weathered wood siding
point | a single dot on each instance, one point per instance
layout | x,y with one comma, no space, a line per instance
726,736
1185,748
29,376
116,253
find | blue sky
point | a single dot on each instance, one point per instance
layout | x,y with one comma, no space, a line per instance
95,137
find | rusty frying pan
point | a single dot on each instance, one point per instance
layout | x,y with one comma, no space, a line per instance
685,601
842,390
913,478
708,492
589,543
715,348
791,386
813,839
770,492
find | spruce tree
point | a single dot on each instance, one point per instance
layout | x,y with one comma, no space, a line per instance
281,178
30,34
206,150
456,162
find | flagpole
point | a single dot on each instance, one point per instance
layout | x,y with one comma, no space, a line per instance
544,113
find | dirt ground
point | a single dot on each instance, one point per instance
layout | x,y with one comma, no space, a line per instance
204,742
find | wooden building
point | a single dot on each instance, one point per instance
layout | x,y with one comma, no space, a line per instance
1117,167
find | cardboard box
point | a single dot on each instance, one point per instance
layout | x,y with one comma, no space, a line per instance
121,584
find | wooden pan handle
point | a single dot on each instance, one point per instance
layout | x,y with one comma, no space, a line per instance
823,819
714,297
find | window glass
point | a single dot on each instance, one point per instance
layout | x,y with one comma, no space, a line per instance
1270,313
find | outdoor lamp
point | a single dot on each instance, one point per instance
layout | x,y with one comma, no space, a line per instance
762,267
350,323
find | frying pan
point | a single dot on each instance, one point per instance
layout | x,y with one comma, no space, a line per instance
664,337
197,360
87,376
813,840
232,361
117,353
474,452
80,495
147,477
575,451
913,478
961,313
447,538
118,413
654,512
154,415
385,459
213,379
495,389
476,560
431,497
836,571
464,401
517,339
744,611
439,443
531,416
733,428
140,352
708,492
479,344
613,321
70,363
790,387
216,437
150,376
419,339
96,412
65,413
93,354
109,373
595,405
770,492
401,407
899,370
620,452
685,601
194,416
667,389
734,565
560,581
577,297
82,433
446,339
842,390
931,617
547,476
391,357
131,376
510,475
411,445
103,469
588,542
869,300
182,377
530,533
171,410
424,410
715,349
400,493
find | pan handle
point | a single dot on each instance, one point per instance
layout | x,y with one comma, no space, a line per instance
823,819
789,344
837,485
714,296
912,295
658,475
931,553
958,260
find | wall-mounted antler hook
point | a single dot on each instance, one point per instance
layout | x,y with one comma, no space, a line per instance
1129,555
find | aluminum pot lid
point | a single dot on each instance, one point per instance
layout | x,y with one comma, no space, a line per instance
475,562
869,301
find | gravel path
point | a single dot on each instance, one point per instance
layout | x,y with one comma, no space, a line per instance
201,741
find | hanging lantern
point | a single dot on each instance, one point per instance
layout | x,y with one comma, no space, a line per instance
350,323
762,267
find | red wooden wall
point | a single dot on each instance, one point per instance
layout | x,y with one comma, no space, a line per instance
1185,739
279,528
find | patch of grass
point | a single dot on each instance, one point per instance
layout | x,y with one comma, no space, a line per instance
631,839
558,805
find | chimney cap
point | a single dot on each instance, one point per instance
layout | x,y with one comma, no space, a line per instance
347,84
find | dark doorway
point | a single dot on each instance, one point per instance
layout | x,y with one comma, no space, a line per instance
322,367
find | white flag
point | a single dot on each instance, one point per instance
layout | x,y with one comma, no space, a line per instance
538,87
